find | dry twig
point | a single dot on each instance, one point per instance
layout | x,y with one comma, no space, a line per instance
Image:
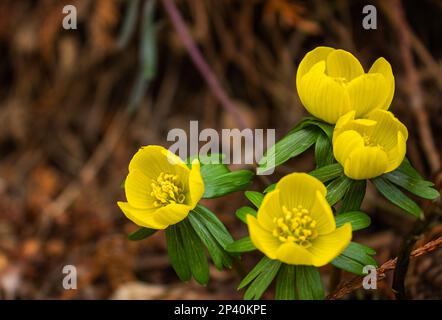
356,282
413,89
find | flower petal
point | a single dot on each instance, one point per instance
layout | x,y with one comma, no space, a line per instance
299,189
342,64
322,96
342,123
310,59
327,247
262,238
387,127
142,217
172,213
196,184
292,253
367,92
383,67
270,208
322,213
397,154
345,144
366,163
152,160
138,188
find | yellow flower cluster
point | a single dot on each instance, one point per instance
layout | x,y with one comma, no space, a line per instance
368,140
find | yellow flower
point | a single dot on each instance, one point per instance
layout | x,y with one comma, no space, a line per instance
332,82
160,188
295,224
370,147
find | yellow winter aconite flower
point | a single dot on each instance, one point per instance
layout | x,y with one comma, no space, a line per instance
160,188
295,224
370,147
332,82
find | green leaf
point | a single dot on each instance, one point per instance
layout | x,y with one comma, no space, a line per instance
345,263
312,121
219,256
328,172
141,234
177,255
414,185
407,168
263,264
360,253
148,52
194,251
270,188
241,245
308,283
354,196
285,283
242,213
358,220
213,171
254,197
354,258
212,223
215,187
323,151
293,144
337,188
394,195
262,281
218,179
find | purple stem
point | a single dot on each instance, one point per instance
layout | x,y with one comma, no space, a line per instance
201,64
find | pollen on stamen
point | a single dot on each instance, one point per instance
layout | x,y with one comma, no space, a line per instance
167,189
296,225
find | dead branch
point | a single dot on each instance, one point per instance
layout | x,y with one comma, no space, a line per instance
356,282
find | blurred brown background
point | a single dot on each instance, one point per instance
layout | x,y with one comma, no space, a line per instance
74,108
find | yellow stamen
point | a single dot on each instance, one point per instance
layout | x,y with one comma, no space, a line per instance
167,189
296,226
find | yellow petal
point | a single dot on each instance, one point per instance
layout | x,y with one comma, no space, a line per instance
299,189
322,96
345,144
270,208
342,123
397,154
383,67
366,163
327,247
387,127
322,213
172,213
364,127
292,253
262,238
367,92
138,188
142,217
196,184
342,64
152,160
310,59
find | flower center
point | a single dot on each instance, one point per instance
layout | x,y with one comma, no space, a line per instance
296,226
167,189
341,80
370,142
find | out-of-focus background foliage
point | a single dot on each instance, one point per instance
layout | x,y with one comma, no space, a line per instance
73,111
